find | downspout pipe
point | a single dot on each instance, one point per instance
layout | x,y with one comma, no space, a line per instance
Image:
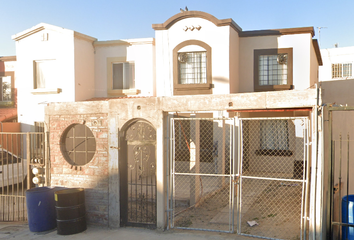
317,108
322,169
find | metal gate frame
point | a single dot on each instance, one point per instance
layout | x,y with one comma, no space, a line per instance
27,150
172,174
138,144
331,154
236,177
304,181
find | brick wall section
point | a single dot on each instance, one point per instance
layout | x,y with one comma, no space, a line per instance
93,176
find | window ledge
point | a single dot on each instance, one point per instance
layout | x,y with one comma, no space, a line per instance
273,152
124,92
263,88
46,91
5,104
200,86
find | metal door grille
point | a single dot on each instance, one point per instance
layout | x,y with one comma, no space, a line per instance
18,153
139,181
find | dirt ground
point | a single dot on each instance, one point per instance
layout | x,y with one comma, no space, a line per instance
200,217
275,207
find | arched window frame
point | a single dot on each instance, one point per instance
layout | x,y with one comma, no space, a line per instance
189,89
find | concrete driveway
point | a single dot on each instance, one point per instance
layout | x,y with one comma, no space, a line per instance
21,231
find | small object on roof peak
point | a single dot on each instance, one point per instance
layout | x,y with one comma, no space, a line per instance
183,10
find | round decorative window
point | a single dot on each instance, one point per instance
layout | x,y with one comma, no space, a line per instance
78,145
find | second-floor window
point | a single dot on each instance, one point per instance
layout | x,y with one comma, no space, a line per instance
273,69
6,93
44,73
341,70
123,75
192,67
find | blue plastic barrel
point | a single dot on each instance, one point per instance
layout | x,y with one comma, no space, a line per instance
41,209
348,217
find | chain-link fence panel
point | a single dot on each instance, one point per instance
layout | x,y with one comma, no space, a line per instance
202,202
204,141
271,208
273,177
273,148
201,173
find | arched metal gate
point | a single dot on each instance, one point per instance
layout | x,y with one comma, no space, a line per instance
138,175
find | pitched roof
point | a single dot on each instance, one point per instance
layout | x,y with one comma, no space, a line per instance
42,26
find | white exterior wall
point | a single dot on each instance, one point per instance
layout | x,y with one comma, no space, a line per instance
59,47
334,55
140,51
216,37
301,44
84,69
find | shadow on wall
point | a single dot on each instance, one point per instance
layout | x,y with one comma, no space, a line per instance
338,92
220,80
96,192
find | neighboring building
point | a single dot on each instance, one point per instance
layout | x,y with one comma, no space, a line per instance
8,94
125,68
171,124
53,65
337,64
61,65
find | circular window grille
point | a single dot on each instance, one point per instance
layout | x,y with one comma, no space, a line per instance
78,145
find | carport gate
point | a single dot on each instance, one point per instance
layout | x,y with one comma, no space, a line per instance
248,176
340,167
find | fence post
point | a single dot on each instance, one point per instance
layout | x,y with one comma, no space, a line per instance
195,161
28,153
46,158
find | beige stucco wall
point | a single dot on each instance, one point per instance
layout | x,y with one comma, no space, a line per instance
234,61
140,51
84,55
301,44
217,38
120,112
314,66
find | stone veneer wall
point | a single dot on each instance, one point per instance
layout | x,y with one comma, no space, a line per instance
93,176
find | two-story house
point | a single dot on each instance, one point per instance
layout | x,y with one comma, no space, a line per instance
205,126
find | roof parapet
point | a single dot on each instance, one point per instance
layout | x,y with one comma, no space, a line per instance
196,14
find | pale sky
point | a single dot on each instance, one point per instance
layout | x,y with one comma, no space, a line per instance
117,19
